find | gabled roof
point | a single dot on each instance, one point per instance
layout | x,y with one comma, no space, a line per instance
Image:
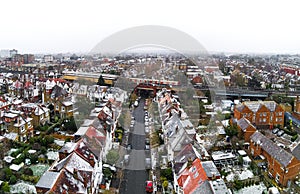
70,183
296,152
73,161
192,177
187,153
210,168
58,92
254,106
276,152
181,139
244,123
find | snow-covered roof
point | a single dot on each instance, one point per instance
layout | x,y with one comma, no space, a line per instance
47,180
76,162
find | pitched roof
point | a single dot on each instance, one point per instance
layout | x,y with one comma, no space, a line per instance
296,152
210,168
244,123
69,183
278,153
47,180
188,152
193,177
254,106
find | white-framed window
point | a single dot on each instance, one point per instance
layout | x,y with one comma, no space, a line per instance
22,129
280,113
277,178
62,108
57,107
264,120
29,124
42,116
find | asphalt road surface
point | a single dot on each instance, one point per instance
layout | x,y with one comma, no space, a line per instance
135,173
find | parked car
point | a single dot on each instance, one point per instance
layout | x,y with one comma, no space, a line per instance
147,163
275,130
149,186
147,147
280,133
128,147
136,103
147,141
147,130
126,159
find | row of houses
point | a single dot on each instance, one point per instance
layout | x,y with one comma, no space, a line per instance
79,167
193,172
281,155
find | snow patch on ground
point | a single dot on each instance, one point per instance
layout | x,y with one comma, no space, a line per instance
22,187
242,174
39,169
251,189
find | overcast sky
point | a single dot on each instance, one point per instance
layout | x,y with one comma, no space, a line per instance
77,26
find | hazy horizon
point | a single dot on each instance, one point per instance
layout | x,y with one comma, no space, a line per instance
231,26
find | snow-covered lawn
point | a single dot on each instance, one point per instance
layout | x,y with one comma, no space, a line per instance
242,174
39,169
251,189
22,187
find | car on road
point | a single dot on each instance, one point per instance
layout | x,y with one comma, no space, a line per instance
136,103
126,159
128,147
146,124
148,163
147,147
147,130
147,141
149,187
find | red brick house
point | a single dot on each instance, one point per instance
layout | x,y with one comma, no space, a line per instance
262,114
246,128
283,166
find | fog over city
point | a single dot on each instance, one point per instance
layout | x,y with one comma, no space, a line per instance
77,26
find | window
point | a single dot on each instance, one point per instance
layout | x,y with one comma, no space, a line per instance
63,108
280,113
264,114
22,129
264,120
29,124
196,174
57,107
277,178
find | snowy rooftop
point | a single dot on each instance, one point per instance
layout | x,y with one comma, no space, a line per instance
47,180
222,156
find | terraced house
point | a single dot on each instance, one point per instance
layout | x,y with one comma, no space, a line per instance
262,114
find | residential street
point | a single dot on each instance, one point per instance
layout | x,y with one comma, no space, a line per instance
135,173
